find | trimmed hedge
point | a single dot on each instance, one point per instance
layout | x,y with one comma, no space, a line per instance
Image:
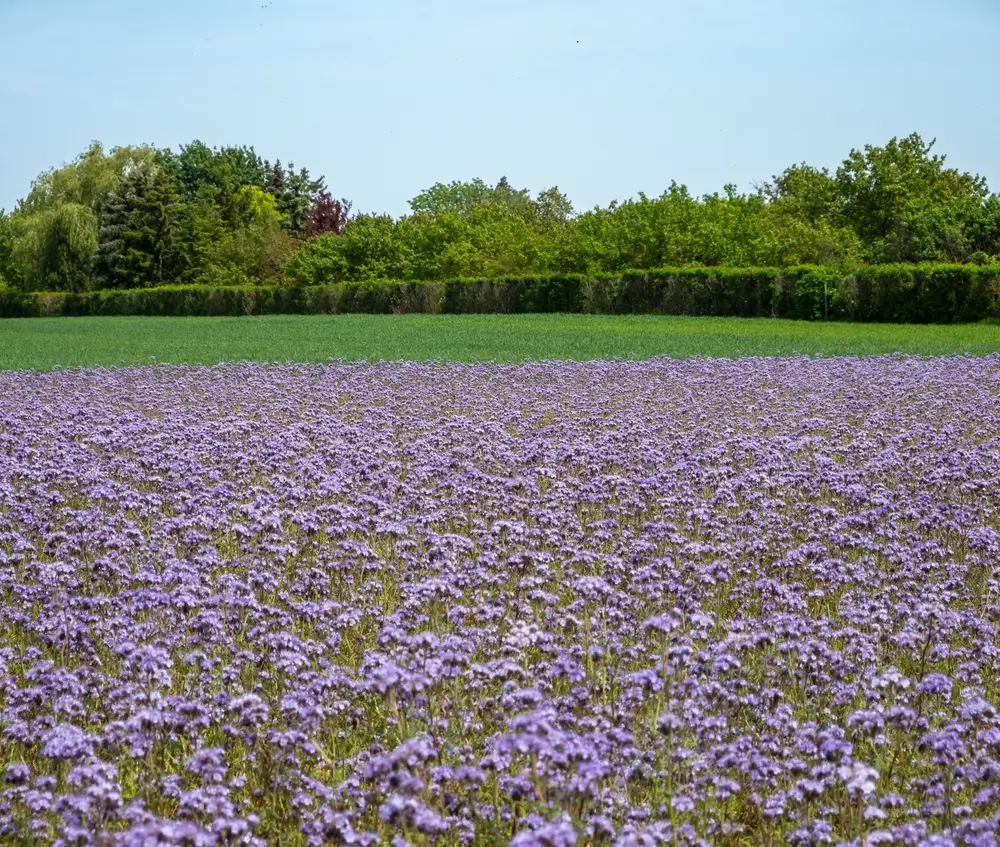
890,294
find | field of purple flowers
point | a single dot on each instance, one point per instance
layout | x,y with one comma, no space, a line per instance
749,602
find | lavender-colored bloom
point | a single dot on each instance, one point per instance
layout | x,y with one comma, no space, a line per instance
651,603
559,833
859,778
935,683
66,741
16,774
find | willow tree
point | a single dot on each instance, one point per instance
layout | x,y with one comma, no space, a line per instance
54,248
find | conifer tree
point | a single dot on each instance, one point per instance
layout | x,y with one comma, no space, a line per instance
137,236
276,182
295,192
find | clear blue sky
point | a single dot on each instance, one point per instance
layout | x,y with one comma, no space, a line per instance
604,98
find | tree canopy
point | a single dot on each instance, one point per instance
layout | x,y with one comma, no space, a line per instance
140,216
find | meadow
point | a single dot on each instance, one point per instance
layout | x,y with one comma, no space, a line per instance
698,602
45,343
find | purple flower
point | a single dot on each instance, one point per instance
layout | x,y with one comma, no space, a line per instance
66,741
652,603
859,778
560,833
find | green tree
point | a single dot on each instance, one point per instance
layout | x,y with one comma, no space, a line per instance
61,204
370,247
428,238
251,255
200,225
461,198
474,229
297,194
8,272
197,167
455,198
498,240
784,238
87,180
985,230
932,232
251,249
553,207
215,218
54,248
642,233
805,192
882,190
137,245
276,181
252,205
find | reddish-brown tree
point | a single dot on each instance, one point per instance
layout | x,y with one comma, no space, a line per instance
327,216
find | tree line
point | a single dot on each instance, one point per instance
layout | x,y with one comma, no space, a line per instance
142,216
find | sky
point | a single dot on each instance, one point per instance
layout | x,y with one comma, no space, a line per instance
602,98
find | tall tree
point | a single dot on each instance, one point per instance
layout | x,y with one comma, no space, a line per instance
552,206
192,168
461,198
251,255
276,182
985,231
196,166
8,272
253,205
371,247
455,198
54,248
878,187
87,180
200,227
805,192
297,197
327,216
138,233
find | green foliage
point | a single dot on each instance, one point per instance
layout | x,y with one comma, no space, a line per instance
54,248
200,226
55,227
217,216
138,231
474,229
253,206
718,230
224,176
239,214
295,194
884,191
87,180
492,240
460,198
985,228
296,201
8,269
804,192
197,167
891,293
371,247
254,254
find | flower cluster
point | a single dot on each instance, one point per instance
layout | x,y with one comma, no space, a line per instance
553,604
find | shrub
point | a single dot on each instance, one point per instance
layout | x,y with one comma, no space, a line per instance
890,293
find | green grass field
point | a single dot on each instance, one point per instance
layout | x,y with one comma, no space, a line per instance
45,343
